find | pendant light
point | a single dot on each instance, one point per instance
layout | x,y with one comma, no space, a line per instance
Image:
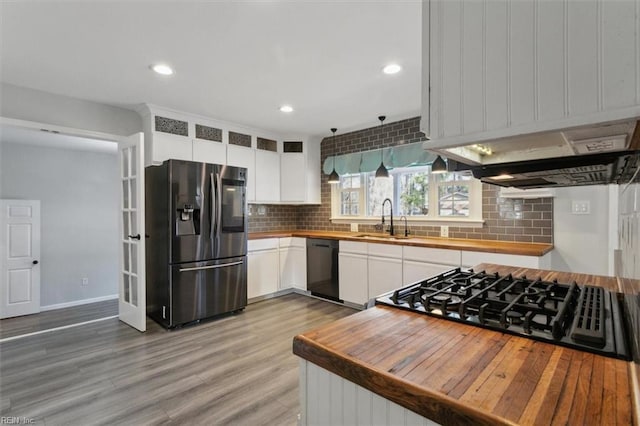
334,177
438,166
382,171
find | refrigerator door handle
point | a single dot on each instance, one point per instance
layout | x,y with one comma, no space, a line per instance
219,203
199,268
213,218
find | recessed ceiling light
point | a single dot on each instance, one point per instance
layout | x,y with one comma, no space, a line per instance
162,69
392,69
286,108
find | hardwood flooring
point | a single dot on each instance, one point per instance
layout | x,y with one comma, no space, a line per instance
47,320
236,370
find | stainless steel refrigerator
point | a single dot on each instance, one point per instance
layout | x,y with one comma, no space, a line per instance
196,242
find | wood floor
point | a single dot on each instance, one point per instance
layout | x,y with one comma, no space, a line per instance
47,320
236,370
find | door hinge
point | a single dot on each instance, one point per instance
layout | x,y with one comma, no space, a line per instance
164,312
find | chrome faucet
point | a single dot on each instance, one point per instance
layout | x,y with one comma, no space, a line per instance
390,215
406,230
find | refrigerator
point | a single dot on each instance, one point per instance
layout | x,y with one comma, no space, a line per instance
196,241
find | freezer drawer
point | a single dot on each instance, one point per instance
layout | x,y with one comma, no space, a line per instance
205,289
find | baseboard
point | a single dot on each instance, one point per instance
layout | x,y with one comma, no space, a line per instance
78,302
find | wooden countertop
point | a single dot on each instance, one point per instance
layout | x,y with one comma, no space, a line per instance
459,374
488,246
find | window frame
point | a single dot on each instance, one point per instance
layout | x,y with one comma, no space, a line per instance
431,219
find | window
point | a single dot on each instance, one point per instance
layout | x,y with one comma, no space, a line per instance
415,193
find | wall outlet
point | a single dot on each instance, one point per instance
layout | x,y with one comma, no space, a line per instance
580,207
354,227
444,231
85,281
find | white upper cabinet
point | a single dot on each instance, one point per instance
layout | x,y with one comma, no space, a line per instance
267,176
279,169
300,172
500,68
240,156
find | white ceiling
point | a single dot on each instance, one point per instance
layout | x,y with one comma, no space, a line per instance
236,61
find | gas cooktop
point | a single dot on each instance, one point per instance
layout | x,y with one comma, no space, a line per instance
577,316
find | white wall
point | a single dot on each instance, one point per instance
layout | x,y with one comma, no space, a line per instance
79,195
581,241
43,107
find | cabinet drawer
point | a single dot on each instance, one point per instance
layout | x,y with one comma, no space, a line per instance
353,247
262,244
432,255
293,242
385,250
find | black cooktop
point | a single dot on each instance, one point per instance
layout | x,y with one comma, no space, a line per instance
577,316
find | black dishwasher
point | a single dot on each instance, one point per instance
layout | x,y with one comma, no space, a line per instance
322,268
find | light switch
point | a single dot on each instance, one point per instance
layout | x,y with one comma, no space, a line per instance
580,207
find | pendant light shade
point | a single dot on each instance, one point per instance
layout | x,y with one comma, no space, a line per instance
334,177
382,171
439,166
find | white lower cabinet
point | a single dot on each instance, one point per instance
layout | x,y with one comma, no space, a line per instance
293,263
263,270
385,274
385,268
353,278
417,271
353,272
419,263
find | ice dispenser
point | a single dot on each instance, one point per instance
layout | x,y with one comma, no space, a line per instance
188,220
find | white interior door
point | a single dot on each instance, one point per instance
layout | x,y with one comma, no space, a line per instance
19,257
132,295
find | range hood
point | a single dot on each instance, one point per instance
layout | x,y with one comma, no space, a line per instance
590,155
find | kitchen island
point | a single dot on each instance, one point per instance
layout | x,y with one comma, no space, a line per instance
454,373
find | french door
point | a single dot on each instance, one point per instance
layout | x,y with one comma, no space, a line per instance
132,294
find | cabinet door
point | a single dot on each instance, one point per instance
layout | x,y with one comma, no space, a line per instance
166,146
267,176
262,273
417,271
240,156
293,268
209,152
352,276
293,186
384,275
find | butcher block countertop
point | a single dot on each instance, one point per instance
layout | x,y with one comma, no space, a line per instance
459,374
488,246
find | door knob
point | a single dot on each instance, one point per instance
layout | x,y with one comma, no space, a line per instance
35,262
135,237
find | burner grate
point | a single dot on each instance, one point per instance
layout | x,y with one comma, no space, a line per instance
588,323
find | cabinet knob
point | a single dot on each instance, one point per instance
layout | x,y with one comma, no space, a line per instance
35,262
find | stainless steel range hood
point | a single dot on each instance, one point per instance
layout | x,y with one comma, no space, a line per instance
590,155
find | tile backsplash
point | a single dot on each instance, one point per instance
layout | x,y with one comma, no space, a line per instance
268,217
523,220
